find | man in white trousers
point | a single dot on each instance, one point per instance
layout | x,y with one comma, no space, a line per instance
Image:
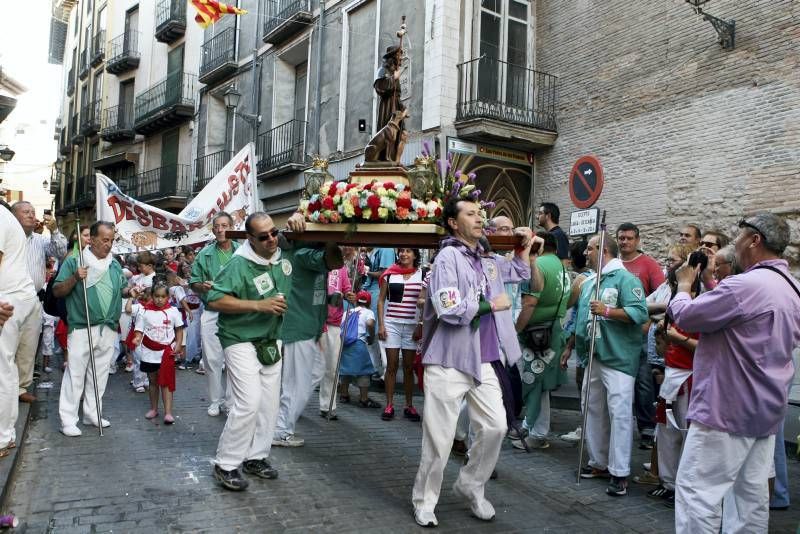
463,342
748,325
104,282
303,365
248,295
620,313
339,289
207,264
17,295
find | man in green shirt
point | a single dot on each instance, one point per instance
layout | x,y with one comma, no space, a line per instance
249,296
620,313
207,265
542,340
105,283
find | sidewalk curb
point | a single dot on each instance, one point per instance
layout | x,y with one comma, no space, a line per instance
8,465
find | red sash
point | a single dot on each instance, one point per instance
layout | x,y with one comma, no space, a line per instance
166,374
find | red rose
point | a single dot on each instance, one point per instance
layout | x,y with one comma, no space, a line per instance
314,206
437,212
327,203
358,211
373,203
368,187
388,185
351,186
374,214
403,203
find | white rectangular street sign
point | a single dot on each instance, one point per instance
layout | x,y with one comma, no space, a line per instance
584,222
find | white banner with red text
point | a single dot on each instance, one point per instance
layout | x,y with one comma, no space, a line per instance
141,226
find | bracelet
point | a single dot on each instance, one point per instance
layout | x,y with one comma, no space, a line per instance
606,311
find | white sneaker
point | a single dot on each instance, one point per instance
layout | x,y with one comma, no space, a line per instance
425,519
213,410
129,368
71,431
106,423
140,389
482,508
572,437
288,441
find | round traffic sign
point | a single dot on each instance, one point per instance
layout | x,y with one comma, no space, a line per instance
585,182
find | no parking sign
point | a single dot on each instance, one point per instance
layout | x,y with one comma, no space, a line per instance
585,182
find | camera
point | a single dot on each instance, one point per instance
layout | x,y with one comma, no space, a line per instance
698,257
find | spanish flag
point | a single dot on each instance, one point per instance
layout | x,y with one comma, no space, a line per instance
209,11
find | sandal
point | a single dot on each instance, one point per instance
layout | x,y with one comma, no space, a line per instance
369,403
169,420
151,414
388,413
344,399
4,452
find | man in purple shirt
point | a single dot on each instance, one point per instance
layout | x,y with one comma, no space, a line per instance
743,366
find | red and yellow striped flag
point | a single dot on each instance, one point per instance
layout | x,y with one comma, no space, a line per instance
209,11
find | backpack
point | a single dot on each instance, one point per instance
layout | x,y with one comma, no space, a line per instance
52,305
350,328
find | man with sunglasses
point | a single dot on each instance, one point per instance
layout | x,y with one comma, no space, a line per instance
711,243
748,326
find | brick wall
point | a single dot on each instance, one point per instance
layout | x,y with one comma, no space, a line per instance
685,130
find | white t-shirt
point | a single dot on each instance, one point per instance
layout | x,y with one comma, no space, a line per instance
158,325
365,315
15,282
141,281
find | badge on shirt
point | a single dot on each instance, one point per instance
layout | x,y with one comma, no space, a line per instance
638,292
491,270
263,283
286,267
446,299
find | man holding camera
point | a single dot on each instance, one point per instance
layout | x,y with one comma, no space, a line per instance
39,248
748,326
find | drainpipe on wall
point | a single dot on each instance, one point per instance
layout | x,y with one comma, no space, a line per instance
256,92
318,90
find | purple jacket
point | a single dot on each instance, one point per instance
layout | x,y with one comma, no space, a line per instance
743,366
453,293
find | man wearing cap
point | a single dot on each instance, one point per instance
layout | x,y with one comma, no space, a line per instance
743,366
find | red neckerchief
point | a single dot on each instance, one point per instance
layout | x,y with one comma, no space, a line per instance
166,373
395,269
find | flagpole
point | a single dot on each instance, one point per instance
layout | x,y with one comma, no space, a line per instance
89,331
592,332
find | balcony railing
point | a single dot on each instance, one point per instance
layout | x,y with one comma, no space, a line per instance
117,123
71,79
64,146
90,118
492,89
218,58
98,48
282,147
285,18
84,64
169,102
208,166
85,191
123,53
75,136
169,181
55,181
170,20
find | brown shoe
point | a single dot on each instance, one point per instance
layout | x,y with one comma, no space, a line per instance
27,397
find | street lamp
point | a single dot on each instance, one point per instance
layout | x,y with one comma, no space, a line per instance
6,154
232,97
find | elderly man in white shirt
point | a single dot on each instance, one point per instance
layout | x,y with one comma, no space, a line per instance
39,248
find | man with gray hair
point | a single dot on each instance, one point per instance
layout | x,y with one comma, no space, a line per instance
724,263
749,325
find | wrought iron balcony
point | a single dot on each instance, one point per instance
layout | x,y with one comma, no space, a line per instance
64,146
166,104
170,20
218,57
496,97
206,167
85,191
75,136
71,80
55,181
285,18
170,181
282,149
123,53
84,64
117,124
90,118
98,48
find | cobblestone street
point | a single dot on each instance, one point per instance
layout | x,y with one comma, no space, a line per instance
353,475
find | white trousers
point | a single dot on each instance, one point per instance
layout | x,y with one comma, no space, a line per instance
670,442
445,389
330,343
10,338
140,379
255,393
541,427
28,346
303,367
78,379
213,357
609,423
713,462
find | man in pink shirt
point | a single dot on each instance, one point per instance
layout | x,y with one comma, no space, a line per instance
748,325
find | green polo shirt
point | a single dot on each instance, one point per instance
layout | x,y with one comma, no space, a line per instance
105,297
308,301
617,344
208,263
246,280
553,297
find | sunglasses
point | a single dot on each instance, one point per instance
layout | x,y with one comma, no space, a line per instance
708,244
271,234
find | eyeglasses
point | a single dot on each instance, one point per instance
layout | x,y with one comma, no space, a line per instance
263,237
745,224
708,244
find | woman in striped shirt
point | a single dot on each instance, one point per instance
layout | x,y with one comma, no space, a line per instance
398,316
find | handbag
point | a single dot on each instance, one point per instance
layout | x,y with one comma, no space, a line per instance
267,351
538,337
